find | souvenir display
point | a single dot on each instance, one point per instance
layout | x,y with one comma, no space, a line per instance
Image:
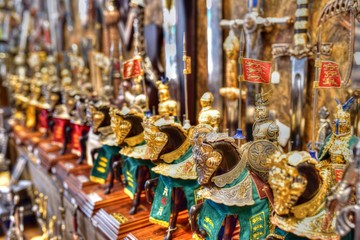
231,190
172,119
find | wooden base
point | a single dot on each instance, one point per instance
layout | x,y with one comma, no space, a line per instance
64,167
105,221
157,232
33,142
49,154
92,197
77,181
21,134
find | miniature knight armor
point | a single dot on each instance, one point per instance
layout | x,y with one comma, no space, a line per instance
209,115
264,128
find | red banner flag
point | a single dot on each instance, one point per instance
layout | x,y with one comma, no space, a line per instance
329,75
256,71
132,68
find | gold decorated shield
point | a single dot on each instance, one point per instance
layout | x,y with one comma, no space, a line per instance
257,154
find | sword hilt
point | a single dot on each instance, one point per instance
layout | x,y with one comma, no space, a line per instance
301,22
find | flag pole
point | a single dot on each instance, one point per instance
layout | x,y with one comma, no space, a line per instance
239,133
317,70
186,71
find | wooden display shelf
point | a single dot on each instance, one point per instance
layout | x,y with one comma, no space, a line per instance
112,228
77,180
157,232
65,167
49,154
92,197
21,134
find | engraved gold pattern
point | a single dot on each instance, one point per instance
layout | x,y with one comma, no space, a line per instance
185,170
239,195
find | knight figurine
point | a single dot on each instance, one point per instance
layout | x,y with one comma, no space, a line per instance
336,149
231,46
265,133
232,191
209,115
167,107
264,127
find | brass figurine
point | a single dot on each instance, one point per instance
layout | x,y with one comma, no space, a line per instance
167,107
231,46
209,115
300,185
264,128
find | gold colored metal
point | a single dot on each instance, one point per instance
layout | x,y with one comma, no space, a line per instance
167,107
208,160
138,152
209,115
256,153
174,155
239,195
96,117
231,46
155,141
288,185
185,170
338,144
122,127
264,128
285,181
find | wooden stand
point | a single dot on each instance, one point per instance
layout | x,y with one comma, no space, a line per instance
49,154
33,142
77,181
65,167
125,223
92,197
157,232
21,134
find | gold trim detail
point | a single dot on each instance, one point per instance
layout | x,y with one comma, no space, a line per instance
185,170
97,180
159,222
129,193
311,207
177,153
239,195
135,140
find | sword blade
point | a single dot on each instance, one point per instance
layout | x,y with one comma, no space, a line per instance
298,98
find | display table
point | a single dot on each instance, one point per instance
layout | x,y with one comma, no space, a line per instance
97,222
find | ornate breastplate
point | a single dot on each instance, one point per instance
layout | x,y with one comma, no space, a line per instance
339,151
240,194
185,169
167,108
210,116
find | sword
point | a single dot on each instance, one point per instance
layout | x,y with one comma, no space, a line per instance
299,76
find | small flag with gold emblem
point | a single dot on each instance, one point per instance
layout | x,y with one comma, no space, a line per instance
187,64
256,71
132,68
329,75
